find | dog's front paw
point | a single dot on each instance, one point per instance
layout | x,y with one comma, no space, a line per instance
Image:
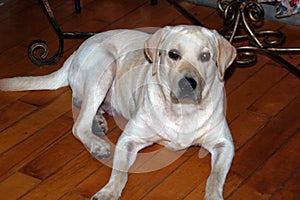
104,195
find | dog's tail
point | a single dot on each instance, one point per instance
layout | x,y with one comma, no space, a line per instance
52,81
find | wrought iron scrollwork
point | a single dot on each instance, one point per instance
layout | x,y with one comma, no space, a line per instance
241,17
42,59
38,50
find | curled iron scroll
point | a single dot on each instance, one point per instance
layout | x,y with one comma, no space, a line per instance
240,19
41,46
38,52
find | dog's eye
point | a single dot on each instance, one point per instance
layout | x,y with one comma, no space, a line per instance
174,54
205,56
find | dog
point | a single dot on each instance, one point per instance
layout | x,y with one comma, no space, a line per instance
158,82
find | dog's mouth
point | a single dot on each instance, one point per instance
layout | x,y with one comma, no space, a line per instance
187,98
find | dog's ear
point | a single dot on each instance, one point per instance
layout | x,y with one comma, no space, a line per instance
153,47
226,54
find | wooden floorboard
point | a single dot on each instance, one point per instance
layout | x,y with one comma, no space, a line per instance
40,158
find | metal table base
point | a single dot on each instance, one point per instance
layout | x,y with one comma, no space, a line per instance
241,17
42,47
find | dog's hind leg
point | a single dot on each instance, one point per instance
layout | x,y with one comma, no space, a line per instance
99,126
95,90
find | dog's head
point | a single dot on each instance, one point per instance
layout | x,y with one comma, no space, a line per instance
187,58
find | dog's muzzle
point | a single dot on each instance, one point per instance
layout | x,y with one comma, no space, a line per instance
189,91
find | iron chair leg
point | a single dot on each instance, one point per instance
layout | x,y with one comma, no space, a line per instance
42,58
42,47
77,6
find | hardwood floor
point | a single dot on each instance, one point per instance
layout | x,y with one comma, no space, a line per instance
40,158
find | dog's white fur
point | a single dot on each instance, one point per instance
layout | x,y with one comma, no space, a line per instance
134,74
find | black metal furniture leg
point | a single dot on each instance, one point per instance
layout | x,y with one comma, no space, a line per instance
38,50
153,2
185,13
241,16
77,6
42,47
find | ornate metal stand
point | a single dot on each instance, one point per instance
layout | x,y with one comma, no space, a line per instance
241,17
42,47
38,50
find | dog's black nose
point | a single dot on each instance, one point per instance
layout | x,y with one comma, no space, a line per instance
187,84
188,91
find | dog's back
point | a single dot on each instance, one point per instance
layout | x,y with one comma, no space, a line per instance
60,78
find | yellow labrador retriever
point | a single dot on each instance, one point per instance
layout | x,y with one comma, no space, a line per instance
168,85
